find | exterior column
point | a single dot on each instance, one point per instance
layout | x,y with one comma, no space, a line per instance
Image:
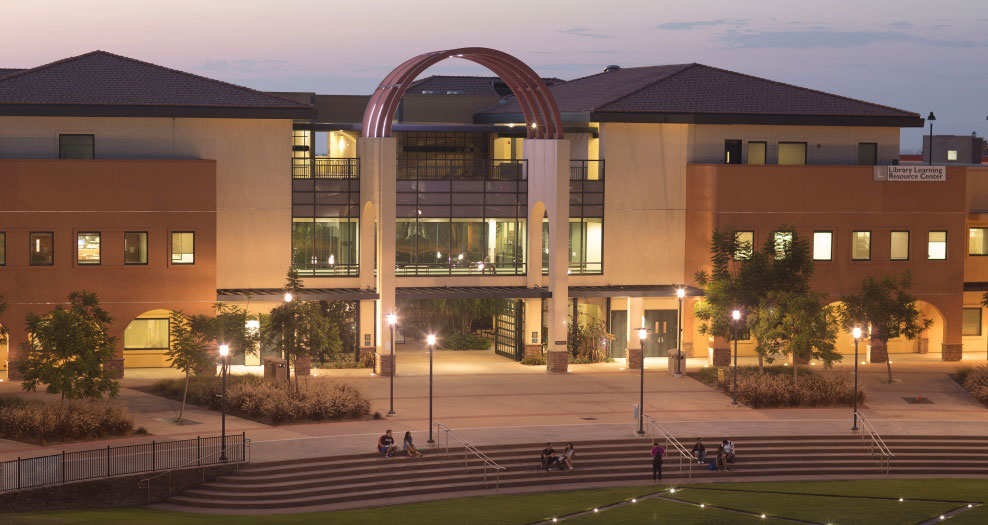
953,347
368,316
720,352
636,310
13,321
548,183
533,327
378,172
688,327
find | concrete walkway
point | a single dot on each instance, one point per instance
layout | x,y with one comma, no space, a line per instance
489,399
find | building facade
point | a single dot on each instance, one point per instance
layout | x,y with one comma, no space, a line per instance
197,191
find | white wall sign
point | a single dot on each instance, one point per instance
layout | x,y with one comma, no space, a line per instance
911,173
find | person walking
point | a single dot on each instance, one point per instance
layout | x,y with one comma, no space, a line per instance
657,453
699,451
409,446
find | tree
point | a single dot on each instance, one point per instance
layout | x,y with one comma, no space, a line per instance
3,329
887,307
229,327
190,340
797,324
67,348
342,314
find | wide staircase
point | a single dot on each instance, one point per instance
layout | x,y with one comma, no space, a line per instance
369,479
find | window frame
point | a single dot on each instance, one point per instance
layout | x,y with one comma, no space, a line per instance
875,145
852,245
747,152
946,239
955,155
147,248
806,152
830,257
30,237
981,321
171,248
168,332
909,241
737,233
775,242
983,229
59,139
99,262
740,146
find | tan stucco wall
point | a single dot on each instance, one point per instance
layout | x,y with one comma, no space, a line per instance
824,144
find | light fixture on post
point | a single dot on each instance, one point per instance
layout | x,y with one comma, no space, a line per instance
642,334
736,316
930,118
681,295
856,332
392,321
288,297
431,341
225,356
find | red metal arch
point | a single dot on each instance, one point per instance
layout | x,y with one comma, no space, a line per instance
537,104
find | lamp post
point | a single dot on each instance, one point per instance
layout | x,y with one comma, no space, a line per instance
225,355
930,119
285,335
392,321
431,341
642,334
856,332
736,316
681,294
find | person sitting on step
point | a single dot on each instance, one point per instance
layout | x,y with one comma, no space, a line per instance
386,444
549,457
729,450
699,451
567,458
409,446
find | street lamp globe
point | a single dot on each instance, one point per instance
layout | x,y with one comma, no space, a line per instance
680,292
224,350
642,334
288,297
736,315
430,339
392,319
856,332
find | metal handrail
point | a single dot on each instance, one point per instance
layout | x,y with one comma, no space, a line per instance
467,447
885,461
654,425
146,482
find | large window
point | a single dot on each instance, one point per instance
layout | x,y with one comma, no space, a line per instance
899,246
744,244
42,248
146,334
135,247
757,152
325,246
823,246
732,151
3,249
971,322
977,241
460,246
937,246
183,248
783,244
76,146
867,153
792,153
860,246
87,248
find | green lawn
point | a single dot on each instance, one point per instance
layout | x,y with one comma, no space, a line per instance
843,502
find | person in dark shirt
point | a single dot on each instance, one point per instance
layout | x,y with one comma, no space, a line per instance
699,451
386,444
549,457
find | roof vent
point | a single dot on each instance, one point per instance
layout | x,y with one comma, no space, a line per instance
431,92
454,92
612,67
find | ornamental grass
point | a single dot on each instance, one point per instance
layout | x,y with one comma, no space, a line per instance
778,390
975,381
46,422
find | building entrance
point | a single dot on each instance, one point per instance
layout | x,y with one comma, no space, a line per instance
619,327
509,332
662,327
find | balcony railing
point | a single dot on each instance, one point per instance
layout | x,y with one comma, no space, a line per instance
586,170
462,169
325,168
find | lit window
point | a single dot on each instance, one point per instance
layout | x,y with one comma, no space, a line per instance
42,248
146,334
783,244
937,246
756,152
744,245
951,154
135,247
823,244
3,249
76,147
183,248
328,246
867,153
971,322
732,151
792,153
977,242
88,248
899,246
860,246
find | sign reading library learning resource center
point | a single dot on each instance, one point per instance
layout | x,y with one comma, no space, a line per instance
911,173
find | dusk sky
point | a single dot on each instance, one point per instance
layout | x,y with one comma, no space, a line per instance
919,56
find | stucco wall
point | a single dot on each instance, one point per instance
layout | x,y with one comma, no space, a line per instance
825,144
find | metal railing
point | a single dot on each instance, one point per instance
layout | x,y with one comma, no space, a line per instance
211,460
325,168
55,469
877,444
487,462
684,455
586,169
462,169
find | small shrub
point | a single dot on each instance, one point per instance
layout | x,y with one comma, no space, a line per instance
975,381
532,360
465,342
366,361
776,388
52,421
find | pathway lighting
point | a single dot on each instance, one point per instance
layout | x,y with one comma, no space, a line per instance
642,334
392,321
225,355
431,341
681,294
288,297
736,316
856,332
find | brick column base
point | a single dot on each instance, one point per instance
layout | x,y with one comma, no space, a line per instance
13,373
115,368
533,350
924,345
688,348
952,352
383,365
634,357
556,361
877,352
719,357
303,366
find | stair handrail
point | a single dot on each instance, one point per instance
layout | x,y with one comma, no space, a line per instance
654,426
885,461
469,448
145,483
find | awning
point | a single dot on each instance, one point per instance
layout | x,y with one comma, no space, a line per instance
459,292
310,294
633,290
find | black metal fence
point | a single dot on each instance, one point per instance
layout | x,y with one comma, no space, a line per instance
462,169
325,168
22,473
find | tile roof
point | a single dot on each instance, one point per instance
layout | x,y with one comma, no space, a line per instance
102,83
466,85
699,93
4,71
